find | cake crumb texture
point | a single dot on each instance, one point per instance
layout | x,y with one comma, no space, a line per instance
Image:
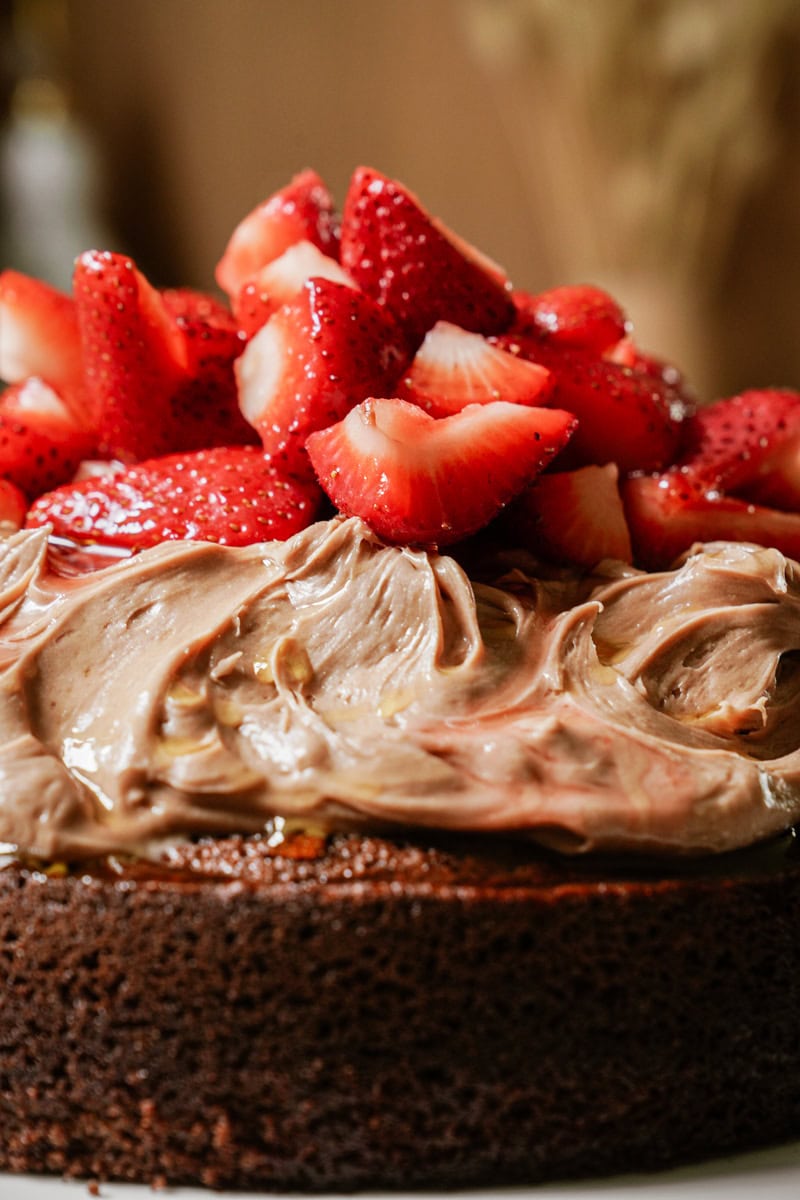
391,1014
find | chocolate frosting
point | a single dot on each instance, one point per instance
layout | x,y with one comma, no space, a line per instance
334,681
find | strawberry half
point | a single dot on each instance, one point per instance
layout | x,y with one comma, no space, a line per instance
41,443
667,514
628,354
39,335
187,305
280,281
314,359
134,355
573,517
204,409
625,417
747,445
410,263
454,368
577,316
418,480
230,495
302,211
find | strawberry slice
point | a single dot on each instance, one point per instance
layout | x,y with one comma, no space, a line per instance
778,482
187,306
573,517
454,368
747,445
416,267
314,359
204,410
302,211
41,442
280,281
230,495
39,334
628,354
625,417
134,355
578,316
417,480
667,514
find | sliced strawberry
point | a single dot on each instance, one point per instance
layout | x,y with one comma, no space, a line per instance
280,281
313,360
578,316
747,445
41,443
425,481
454,368
204,409
302,211
628,354
13,506
38,334
230,495
188,305
414,266
667,514
625,417
134,355
573,517
778,482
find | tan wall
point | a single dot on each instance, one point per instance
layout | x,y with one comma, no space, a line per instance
205,106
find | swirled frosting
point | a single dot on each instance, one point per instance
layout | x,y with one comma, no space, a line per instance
334,680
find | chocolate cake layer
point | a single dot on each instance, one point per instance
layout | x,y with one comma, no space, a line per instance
374,1013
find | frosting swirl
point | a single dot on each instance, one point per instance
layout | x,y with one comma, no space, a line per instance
333,679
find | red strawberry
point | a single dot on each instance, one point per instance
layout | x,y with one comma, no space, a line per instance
737,445
415,479
453,368
625,417
41,443
13,506
414,266
313,360
302,211
778,483
230,495
134,355
38,334
579,316
667,514
627,354
573,517
204,409
280,281
187,305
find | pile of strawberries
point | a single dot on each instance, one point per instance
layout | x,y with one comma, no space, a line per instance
378,364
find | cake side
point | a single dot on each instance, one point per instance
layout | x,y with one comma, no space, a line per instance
397,1027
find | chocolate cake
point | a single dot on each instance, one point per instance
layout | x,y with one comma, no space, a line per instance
334,859
371,1012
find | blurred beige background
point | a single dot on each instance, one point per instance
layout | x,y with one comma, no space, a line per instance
652,146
